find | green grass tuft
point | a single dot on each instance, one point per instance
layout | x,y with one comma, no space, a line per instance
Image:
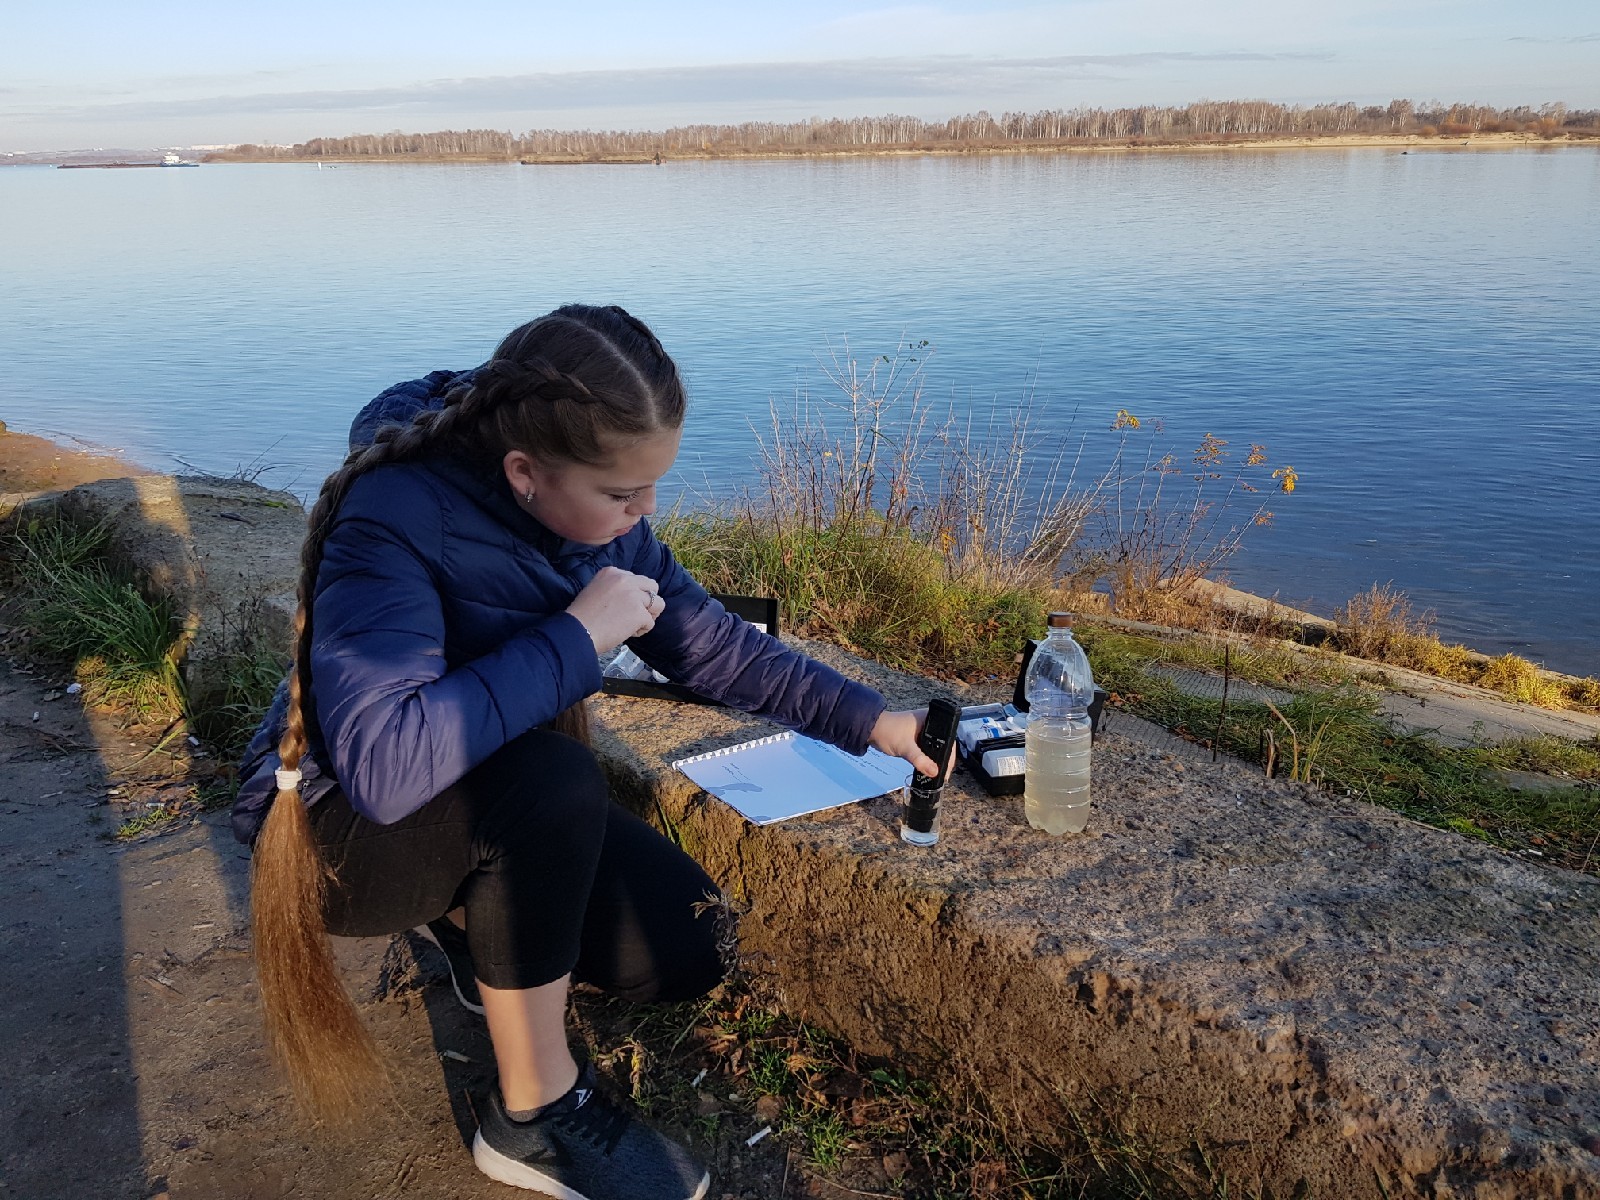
123,643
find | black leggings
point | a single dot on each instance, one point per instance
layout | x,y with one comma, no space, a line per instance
554,875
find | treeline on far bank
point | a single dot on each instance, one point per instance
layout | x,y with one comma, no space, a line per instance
1199,122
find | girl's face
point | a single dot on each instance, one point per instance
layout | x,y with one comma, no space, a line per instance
593,504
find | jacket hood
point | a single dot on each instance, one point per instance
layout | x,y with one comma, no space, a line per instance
400,404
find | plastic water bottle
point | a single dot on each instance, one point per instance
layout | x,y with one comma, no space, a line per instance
1059,687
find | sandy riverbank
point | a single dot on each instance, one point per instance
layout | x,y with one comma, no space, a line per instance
36,464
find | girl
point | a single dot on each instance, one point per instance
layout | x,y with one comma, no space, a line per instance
426,763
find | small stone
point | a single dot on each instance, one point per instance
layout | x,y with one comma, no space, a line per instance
896,1164
769,1108
1554,1095
706,1104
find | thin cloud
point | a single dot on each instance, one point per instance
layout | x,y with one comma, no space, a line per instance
754,83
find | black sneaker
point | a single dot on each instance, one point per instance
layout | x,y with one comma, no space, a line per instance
585,1146
444,934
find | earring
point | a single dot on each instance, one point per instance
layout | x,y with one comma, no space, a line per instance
527,496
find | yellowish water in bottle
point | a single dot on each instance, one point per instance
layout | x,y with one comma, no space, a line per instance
1055,795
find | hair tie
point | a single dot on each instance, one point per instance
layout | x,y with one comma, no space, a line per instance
288,778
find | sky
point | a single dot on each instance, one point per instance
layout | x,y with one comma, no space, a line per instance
89,73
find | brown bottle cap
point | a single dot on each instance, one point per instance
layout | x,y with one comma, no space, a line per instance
1060,620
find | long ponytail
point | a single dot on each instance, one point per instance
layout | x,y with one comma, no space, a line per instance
579,371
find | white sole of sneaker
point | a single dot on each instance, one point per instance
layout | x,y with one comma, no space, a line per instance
502,1169
454,986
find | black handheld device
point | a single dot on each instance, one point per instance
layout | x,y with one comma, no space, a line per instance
920,825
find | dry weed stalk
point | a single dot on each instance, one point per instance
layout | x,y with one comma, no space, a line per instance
1302,759
873,456
1153,545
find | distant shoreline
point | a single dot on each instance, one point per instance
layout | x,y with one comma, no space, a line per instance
1403,141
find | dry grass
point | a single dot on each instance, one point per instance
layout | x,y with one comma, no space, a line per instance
936,543
1163,526
1382,625
894,528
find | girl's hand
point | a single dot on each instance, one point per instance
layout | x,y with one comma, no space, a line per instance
896,734
617,605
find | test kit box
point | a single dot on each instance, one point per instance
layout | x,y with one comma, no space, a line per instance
991,740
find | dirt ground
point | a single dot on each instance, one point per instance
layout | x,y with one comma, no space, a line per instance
135,1062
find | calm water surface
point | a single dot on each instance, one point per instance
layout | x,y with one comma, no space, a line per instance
1414,333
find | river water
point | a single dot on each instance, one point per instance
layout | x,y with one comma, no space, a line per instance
1414,333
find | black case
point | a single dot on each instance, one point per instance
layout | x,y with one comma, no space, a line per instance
758,610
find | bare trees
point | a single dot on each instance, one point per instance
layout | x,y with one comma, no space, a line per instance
1200,121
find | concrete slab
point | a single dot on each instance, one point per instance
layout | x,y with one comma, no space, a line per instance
1459,715
1192,681
1325,994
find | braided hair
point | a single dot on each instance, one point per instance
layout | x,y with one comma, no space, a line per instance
571,386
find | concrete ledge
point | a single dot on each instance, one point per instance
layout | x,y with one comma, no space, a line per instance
1332,1000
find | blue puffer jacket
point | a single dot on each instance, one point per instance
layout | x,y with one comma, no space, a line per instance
440,634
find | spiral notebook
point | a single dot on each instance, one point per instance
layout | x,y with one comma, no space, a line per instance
788,775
